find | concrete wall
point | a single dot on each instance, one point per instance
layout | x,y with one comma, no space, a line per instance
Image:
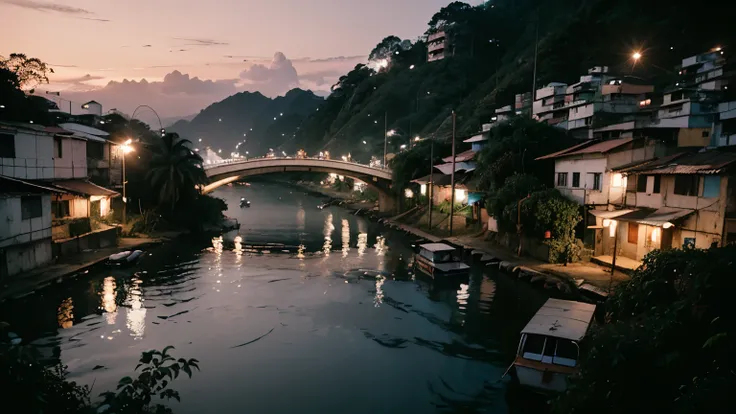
14,230
582,111
585,166
94,240
22,258
73,160
33,156
693,137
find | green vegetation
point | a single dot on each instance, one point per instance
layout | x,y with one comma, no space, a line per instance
39,389
668,343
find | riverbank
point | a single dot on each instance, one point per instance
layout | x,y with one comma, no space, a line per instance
72,266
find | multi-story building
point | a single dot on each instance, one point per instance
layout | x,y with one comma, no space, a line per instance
723,132
439,46
26,153
549,104
104,157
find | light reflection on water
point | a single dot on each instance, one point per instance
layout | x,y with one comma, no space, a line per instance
338,324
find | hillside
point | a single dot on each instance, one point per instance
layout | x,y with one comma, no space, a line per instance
257,120
493,61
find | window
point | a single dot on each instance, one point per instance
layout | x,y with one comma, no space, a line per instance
711,186
633,233
95,150
641,184
576,179
7,146
30,207
597,181
57,148
60,209
686,185
657,184
533,347
705,133
631,184
562,179
550,350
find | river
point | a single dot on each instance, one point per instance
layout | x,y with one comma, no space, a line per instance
301,311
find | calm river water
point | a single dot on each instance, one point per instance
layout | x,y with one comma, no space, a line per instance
344,325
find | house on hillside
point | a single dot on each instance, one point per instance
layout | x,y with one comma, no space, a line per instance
676,201
104,157
439,45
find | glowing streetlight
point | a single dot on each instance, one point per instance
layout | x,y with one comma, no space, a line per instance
411,67
219,151
636,56
125,148
417,138
364,143
403,146
391,133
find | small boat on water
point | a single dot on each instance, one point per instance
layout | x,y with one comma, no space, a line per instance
125,258
548,351
439,260
244,203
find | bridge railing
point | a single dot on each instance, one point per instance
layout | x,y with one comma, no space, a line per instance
226,161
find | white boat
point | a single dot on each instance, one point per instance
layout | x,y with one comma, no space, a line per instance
125,257
440,260
548,351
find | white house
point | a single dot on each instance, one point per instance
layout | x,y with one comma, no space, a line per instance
26,151
583,172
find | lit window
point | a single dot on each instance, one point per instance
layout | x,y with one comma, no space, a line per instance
423,189
460,195
408,193
655,234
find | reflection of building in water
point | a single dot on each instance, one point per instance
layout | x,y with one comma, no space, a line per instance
217,246
300,217
378,299
380,251
107,299
136,317
462,297
65,313
345,237
362,243
328,229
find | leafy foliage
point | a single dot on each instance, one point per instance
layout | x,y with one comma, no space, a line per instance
669,341
40,389
30,72
175,170
157,369
561,216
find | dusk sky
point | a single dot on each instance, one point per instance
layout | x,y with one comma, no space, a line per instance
192,53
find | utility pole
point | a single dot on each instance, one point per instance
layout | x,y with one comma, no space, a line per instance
452,176
534,75
385,137
125,200
430,184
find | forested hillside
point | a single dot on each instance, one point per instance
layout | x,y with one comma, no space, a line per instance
493,60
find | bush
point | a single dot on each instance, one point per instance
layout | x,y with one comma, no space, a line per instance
39,389
669,342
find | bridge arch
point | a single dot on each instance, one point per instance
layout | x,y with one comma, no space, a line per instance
227,172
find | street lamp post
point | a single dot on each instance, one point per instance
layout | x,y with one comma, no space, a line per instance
385,137
126,148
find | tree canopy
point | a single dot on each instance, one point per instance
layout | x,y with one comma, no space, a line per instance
29,72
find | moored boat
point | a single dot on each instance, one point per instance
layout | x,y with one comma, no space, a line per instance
125,257
548,351
438,260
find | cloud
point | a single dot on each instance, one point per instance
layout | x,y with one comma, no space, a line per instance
322,77
177,94
200,42
44,6
79,79
277,78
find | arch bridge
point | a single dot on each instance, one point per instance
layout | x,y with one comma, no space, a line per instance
233,170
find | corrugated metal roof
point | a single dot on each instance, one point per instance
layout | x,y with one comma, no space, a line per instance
706,162
11,185
566,150
604,214
657,217
463,156
601,147
478,138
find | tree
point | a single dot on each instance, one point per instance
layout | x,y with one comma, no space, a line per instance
668,342
409,165
30,72
385,50
549,210
456,12
176,171
502,203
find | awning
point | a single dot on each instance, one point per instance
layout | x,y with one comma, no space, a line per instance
463,156
657,217
459,166
605,214
483,136
85,188
14,185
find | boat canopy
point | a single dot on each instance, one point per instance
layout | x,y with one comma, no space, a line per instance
437,247
561,319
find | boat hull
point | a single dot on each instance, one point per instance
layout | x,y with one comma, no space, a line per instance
541,377
428,268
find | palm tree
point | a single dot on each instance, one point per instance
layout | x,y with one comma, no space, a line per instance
176,170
